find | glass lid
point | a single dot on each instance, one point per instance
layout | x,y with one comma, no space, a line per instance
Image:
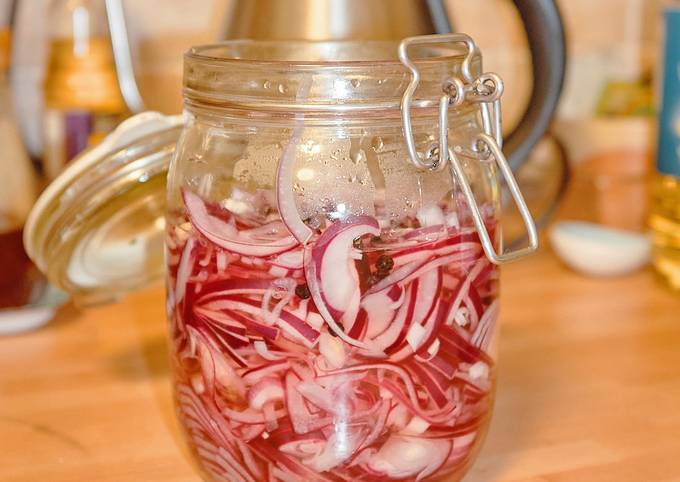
97,230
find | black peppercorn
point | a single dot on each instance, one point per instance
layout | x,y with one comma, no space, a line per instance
302,291
342,328
384,264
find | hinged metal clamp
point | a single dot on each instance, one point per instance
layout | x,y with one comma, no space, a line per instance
486,90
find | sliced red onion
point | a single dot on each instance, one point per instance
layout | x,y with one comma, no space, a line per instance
321,397
485,329
287,463
333,350
280,474
399,415
262,350
398,328
377,426
302,419
332,276
415,336
457,347
229,316
403,457
433,388
214,366
427,296
265,391
464,288
397,276
380,309
221,287
293,259
431,215
249,416
425,233
225,235
303,448
255,374
185,268
312,401
285,194
441,364
416,426
339,448
289,323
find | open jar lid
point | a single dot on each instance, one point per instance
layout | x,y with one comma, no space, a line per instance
97,230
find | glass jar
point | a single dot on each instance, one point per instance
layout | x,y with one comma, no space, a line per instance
332,281
332,311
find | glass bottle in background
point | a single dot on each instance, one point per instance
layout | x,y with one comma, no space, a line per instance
20,281
83,101
665,212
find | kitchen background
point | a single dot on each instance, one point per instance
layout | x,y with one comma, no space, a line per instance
586,360
611,43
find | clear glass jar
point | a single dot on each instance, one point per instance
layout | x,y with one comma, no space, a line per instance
367,348
332,288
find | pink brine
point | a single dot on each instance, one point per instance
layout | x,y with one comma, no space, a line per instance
353,356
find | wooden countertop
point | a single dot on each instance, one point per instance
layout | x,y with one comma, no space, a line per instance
589,387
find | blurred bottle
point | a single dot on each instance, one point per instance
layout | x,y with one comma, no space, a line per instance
83,101
665,212
19,279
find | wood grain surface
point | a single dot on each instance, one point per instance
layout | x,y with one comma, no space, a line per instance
589,387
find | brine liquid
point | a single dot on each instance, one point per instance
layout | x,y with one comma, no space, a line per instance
267,391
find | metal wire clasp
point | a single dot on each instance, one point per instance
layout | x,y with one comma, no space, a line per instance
486,90
459,177
453,94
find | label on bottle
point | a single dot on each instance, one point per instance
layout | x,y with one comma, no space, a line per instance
668,156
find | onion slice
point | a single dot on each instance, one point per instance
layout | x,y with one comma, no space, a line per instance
226,235
332,275
285,195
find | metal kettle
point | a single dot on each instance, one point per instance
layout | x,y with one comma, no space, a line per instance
380,20
396,19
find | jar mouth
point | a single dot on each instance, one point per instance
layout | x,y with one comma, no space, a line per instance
320,54
318,77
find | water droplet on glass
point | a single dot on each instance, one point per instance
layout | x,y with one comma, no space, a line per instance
267,84
313,222
377,143
359,157
355,83
282,89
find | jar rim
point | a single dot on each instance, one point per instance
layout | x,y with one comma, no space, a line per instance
335,53
340,77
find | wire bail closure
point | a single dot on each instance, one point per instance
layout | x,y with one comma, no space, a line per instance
485,90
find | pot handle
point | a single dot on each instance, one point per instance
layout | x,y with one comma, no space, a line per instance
545,33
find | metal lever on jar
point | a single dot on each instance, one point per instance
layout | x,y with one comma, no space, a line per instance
459,176
455,94
486,90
